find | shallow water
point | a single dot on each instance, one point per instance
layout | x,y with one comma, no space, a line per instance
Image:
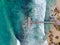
35,34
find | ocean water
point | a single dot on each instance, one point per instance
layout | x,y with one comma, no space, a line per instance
35,34
37,10
17,12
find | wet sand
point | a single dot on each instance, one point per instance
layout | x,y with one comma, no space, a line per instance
58,4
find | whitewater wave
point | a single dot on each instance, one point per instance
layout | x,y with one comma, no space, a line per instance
35,34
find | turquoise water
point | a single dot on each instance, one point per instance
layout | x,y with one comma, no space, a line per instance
13,25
